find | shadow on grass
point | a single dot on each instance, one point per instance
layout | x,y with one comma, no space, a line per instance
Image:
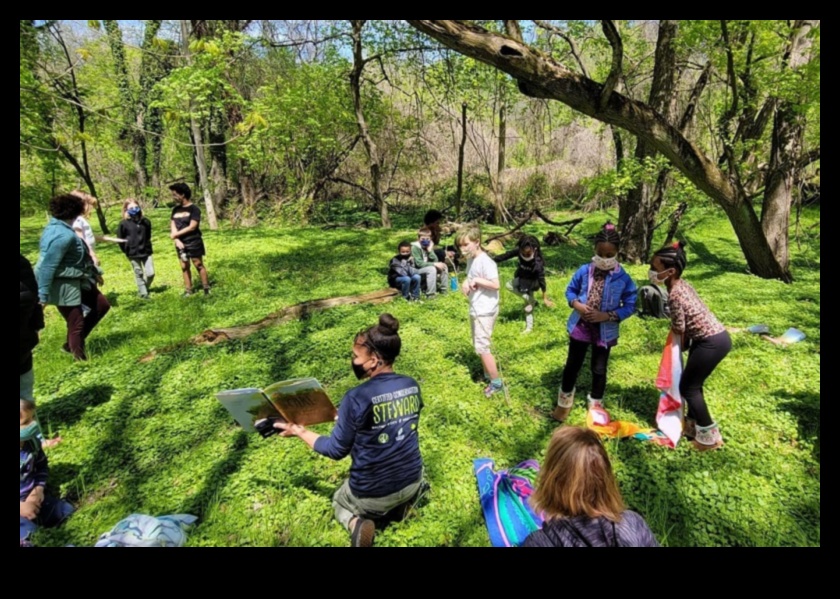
806,408
708,257
98,344
69,409
217,477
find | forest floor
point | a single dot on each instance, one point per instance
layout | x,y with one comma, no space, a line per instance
150,437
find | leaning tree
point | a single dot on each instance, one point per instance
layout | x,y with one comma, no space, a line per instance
763,238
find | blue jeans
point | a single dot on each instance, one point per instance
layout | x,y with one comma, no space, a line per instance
410,286
53,512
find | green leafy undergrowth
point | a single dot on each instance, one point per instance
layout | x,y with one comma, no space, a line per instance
150,437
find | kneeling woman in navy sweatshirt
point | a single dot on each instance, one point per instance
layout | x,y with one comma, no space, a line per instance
377,427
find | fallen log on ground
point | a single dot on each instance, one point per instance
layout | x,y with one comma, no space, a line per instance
296,312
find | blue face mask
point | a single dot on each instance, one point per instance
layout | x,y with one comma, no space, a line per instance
30,432
136,211
425,243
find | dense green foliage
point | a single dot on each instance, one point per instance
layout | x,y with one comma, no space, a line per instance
151,438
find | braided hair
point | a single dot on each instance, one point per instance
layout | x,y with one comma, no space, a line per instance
608,234
673,256
382,339
530,241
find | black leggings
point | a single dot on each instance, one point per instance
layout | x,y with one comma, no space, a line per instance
703,358
600,360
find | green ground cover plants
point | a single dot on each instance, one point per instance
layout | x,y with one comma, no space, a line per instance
151,438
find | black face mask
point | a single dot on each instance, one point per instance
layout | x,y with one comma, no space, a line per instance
359,370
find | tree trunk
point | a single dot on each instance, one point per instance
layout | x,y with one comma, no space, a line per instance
459,195
150,73
248,191
638,212
198,143
83,167
132,120
500,211
540,76
374,159
218,159
753,242
788,134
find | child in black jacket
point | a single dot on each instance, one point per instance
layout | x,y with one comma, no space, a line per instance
137,231
529,276
403,273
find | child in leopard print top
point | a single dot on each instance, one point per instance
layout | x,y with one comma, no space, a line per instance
701,332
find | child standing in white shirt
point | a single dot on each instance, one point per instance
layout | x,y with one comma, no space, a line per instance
482,289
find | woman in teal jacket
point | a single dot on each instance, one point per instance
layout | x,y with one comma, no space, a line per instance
67,277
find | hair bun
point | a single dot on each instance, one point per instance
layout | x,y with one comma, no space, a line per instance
388,324
609,227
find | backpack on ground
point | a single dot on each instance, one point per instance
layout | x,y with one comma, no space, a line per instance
653,302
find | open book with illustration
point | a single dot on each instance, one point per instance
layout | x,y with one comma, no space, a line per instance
299,401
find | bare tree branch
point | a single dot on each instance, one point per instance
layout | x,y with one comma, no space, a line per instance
808,158
611,31
694,99
513,30
730,71
568,39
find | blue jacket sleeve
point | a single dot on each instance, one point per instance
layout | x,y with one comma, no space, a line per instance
52,252
628,299
338,445
42,469
575,286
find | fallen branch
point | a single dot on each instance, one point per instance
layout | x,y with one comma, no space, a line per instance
569,223
296,312
365,224
522,223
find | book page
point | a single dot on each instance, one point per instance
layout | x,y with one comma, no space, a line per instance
302,401
247,406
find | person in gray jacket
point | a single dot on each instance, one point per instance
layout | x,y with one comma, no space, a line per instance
578,496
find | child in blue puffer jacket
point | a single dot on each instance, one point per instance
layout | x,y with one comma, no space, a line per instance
602,295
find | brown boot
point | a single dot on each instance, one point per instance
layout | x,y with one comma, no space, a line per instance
565,403
363,533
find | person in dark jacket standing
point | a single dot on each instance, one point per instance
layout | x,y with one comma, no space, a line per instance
31,321
403,273
529,276
377,426
136,229
578,496
185,231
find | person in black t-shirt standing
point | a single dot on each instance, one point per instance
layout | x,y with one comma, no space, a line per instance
186,232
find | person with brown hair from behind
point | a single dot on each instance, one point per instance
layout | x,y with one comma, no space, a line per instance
578,497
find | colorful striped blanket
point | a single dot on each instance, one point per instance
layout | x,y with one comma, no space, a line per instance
504,498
